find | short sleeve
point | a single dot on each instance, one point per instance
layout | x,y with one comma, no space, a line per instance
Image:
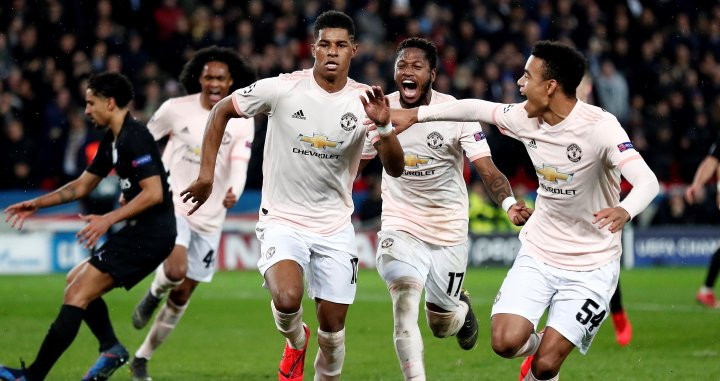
473,141
159,125
102,163
143,162
258,98
508,118
613,144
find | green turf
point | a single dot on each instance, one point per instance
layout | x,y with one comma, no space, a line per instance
228,332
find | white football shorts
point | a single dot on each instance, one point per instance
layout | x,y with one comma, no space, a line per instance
440,268
578,300
202,250
329,263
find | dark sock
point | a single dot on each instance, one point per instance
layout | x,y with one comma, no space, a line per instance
98,320
61,334
616,301
712,273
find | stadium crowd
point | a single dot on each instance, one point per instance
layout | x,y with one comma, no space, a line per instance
655,65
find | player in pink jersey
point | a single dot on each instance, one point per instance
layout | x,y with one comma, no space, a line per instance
313,146
423,241
209,76
569,259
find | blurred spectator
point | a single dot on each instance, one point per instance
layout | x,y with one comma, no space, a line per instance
656,65
19,158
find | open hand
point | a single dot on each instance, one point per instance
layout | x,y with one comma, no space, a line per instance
17,213
377,107
615,217
198,192
97,227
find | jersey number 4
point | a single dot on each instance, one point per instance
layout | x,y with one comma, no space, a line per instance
208,260
587,315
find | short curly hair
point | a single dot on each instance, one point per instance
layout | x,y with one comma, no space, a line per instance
242,73
423,44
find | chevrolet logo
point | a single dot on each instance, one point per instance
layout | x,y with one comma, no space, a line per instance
552,175
319,141
414,161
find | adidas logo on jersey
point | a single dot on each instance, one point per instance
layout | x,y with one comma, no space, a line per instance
299,115
532,143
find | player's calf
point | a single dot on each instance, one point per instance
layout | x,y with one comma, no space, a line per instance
446,324
330,356
406,293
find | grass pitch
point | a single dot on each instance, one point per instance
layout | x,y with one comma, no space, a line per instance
228,332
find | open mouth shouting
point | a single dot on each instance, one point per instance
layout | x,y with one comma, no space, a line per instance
410,90
214,96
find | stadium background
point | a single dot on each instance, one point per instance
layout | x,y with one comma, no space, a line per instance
655,65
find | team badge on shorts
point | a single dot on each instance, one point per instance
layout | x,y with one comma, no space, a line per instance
387,242
435,140
270,251
574,153
348,122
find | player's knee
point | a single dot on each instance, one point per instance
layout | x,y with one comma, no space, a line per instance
176,272
504,343
75,295
288,301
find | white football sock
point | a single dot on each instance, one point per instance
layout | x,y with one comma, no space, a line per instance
330,355
161,283
530,347
445,324
405,293
164,324
290,326
531,377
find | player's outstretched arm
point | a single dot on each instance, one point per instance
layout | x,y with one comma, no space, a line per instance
706,169
76,189
463,110
498,188
645,188
389,149
151,193
199,191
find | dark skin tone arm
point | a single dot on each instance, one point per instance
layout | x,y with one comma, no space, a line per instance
151,194
498,188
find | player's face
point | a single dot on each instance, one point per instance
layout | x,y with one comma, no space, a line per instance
534,87
333,51
215,82
413,77
97,108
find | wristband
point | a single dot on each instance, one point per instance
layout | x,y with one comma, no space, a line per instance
385,130
718,186
508,202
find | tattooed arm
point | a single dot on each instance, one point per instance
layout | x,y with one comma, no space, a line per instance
498,188
78,188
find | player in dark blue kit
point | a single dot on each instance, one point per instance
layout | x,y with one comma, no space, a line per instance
128,255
